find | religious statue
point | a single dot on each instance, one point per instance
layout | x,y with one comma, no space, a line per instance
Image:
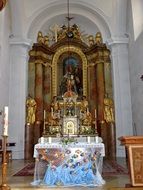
40,38
70,108
53,119
84,104
91,40
46,40
55,104
68,84
71,85
31,110
87,118
98,38
108,110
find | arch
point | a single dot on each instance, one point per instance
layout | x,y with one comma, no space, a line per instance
58,53
95,16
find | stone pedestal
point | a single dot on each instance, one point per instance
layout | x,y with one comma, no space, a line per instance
29,140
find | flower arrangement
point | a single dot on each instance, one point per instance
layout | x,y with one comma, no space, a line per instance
67,140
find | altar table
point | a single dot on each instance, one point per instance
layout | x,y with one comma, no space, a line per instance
75,164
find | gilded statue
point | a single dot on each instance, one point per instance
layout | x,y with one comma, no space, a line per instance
87,118
31,110
40,38
53,119
46,40
55,104
84,104
108,110
98,38
91,40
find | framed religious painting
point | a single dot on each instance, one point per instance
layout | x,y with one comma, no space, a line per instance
69,63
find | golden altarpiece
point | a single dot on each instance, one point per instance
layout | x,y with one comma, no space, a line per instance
70,88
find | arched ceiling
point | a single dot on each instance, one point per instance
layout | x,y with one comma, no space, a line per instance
89,20
30,16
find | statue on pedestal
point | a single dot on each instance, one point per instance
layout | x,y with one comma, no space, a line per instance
108,110
30,110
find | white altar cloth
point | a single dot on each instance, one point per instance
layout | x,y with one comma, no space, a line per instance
69,165
99,146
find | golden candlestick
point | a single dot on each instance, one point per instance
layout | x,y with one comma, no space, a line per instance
4,185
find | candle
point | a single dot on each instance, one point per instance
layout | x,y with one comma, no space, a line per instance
95,113
87,110
42,140
52,111
88,139
44,115
50,140
96,139
5,127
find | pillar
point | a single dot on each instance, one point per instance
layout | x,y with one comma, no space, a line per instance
17,93
121,88
39,100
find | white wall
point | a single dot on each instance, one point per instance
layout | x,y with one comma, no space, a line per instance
136,70
4,60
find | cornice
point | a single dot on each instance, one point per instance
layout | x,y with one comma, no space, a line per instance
20,41
117,40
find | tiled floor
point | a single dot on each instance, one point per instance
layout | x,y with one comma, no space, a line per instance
23,183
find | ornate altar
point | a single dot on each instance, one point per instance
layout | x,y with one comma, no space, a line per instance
70,79
68,116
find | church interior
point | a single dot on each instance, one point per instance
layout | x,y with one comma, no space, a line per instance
71,86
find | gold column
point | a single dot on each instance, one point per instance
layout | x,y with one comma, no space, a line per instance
100,97
100,86
47,87
31,79
39,91
92,88
111,150
39,100
107,73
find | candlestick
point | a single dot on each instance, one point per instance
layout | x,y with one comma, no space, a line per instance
5,126
4,185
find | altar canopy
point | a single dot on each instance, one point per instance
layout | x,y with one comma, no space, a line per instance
69,77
